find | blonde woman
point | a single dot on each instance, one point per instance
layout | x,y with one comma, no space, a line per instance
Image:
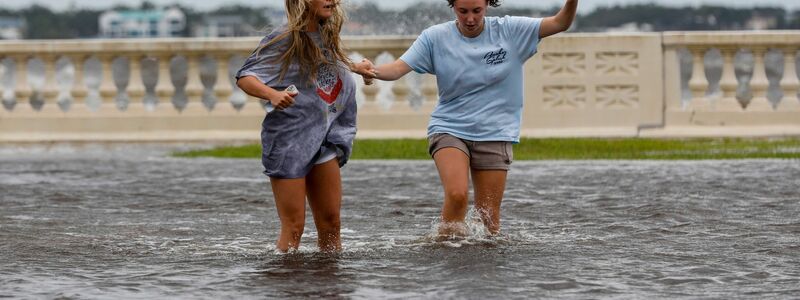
307,136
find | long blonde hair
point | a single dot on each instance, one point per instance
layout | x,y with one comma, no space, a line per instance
302,48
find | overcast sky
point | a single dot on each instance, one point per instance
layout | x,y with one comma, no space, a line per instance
585,5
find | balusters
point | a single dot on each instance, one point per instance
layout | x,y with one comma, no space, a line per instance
164,87
194,87
222,87
22,91
789,83
238,98
371,91
3,72
702,113
50,89
108,90
698,84
401,91
728,83
79,90
759,84
136,88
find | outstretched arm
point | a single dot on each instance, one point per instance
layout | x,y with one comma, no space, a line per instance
561,21
392,71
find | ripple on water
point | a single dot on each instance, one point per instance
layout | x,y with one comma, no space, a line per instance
143,227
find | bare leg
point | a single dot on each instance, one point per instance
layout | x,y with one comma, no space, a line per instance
489,187
453,166
325,198
290,201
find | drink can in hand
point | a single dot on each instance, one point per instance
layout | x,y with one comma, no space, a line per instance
292,90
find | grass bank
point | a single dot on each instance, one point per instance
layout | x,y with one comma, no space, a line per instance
567,149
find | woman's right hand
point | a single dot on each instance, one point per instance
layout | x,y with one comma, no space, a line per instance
282,100
254,87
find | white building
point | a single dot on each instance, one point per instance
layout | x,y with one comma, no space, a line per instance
218,26
11,28
224,26
761,23
631,27
142,23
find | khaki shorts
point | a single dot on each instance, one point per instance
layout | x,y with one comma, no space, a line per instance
482,155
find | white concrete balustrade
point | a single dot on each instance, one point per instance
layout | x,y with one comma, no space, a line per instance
577,85
738,102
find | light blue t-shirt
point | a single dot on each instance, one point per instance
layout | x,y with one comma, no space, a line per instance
480,79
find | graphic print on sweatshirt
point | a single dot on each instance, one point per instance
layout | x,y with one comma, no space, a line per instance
328,83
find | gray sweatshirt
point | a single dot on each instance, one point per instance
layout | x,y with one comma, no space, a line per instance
323,115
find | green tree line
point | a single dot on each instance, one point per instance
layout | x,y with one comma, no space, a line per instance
686,18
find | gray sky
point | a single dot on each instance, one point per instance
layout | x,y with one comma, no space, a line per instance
585,5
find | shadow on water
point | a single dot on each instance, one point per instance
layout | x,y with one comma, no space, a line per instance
304,275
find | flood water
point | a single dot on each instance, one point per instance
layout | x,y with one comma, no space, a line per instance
128,221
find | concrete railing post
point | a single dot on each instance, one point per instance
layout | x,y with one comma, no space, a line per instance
759,84
789,82
136,88
22,90
108,90
728,83
222,87
698,84
371,91
50,89
79,90
194,87
164,87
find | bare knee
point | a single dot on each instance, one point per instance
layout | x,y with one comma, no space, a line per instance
456,199
456,195
328,222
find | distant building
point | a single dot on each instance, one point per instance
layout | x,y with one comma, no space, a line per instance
761,23
11,28
631,27
142,23
224,26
